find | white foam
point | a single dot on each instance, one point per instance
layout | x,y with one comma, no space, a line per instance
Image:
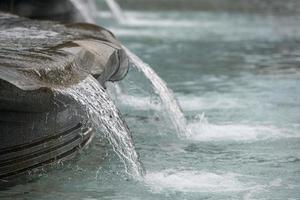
192,103
204,131
194,181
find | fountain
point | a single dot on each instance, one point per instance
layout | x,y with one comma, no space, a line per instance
43,66
58,81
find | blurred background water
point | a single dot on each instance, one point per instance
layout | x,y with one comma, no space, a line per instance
235,68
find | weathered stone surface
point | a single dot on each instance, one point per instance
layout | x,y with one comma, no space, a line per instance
35,54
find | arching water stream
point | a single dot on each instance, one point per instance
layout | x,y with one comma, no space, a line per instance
168,99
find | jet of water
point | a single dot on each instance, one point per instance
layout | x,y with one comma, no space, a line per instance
166,95
105,116
116,11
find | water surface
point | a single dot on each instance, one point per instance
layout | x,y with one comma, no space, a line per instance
237,79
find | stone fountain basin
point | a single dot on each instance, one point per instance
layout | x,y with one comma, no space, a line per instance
35,58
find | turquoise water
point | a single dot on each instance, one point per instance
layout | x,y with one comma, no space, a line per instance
237,79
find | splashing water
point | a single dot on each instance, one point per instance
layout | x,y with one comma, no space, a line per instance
105,116
166,95
116,11
196,181
202,130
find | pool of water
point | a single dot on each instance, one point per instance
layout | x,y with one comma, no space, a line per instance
237,79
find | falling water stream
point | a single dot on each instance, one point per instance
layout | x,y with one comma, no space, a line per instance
101,110
105,116
166,95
